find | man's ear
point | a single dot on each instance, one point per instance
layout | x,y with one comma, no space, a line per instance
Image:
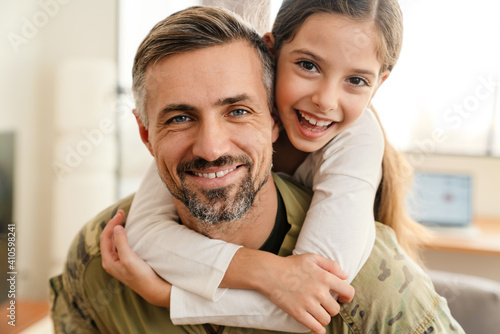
269,39
276,128
143,131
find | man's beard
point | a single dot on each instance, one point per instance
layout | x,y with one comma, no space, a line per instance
224,204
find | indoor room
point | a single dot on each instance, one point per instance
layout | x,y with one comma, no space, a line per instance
70,145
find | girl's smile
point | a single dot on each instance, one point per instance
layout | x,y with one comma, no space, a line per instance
312,127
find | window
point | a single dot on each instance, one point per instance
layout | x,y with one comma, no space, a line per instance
443,94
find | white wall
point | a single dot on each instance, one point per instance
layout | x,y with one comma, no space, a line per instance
42,35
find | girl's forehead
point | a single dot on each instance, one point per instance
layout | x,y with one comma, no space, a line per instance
351,36
336,22
336,39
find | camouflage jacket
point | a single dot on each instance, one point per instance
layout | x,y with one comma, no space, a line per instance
393,294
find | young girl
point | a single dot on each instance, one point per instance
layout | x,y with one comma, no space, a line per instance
331,57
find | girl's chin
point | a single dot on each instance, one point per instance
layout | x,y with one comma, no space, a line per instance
307,144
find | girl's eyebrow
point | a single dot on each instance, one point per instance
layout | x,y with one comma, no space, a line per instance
367,73
308,53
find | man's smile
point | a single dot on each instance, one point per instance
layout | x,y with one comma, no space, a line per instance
214,175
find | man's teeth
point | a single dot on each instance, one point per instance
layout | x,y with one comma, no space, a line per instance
314,122
214,175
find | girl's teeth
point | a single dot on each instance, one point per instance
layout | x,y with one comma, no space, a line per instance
314,122
214,175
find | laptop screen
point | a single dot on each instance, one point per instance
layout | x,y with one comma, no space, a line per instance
442,199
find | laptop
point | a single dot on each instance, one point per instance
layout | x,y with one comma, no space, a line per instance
441,199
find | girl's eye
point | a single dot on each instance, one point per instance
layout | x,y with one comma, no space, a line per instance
357,81
179,119
307,65
238,112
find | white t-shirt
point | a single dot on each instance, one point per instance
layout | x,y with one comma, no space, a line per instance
339,225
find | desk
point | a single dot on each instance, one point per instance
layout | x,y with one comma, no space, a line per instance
482,238
474,251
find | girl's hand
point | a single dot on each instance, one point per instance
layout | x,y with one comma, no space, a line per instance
300,285
122,263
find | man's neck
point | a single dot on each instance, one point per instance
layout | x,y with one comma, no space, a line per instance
250,231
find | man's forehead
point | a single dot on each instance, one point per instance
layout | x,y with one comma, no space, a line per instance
226,54
216,72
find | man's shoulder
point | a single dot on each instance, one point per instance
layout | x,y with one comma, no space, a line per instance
394,294
86,244
68,296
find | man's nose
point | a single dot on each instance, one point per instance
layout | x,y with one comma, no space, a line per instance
326,96
212,140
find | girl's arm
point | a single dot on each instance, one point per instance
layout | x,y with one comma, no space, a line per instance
345,176
122,263
198,270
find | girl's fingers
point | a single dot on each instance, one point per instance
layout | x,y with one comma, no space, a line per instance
331,306
121,242
332,267
310,322
108,253
344,291
117,219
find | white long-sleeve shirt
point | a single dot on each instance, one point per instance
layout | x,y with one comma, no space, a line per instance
339,225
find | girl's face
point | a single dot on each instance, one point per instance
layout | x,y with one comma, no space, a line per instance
325,78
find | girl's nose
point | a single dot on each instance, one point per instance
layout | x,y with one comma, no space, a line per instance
326,96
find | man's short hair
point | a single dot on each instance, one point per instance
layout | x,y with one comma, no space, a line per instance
192,29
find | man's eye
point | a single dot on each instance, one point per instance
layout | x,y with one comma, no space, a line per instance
307,65
179,119
238,112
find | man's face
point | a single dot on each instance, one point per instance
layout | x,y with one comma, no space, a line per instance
210,128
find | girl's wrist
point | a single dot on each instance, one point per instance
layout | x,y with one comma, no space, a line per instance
249,269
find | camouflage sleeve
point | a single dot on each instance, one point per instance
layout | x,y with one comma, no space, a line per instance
65,316
71,311
395,295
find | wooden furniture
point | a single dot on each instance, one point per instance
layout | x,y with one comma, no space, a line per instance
471,251
483,237
27,313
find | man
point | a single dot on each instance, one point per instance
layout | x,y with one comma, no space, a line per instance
204,93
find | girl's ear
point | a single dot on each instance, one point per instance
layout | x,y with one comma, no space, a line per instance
383,77
269,39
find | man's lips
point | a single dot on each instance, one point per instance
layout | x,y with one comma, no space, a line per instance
214,175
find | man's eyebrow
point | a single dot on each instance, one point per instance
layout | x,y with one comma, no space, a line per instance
169,108
176,107
233,99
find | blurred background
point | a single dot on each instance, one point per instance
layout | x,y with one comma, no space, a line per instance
69,146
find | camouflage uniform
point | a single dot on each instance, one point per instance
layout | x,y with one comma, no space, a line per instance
393,294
